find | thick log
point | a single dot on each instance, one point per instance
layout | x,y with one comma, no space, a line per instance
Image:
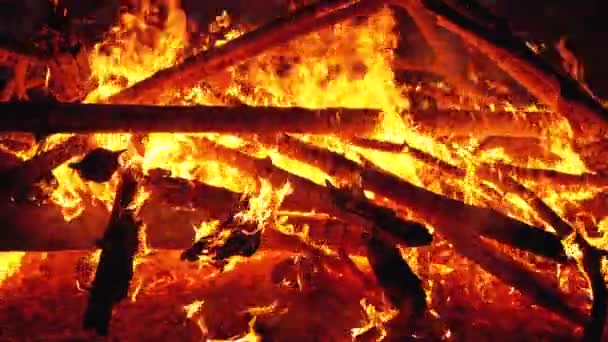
483,221
592,265
196,68
552,177
119,246
314,197
561,93
482,124
96,118
18,179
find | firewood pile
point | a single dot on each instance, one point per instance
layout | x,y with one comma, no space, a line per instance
407,187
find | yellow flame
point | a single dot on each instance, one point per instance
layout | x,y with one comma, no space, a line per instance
263,207
374,320
10,262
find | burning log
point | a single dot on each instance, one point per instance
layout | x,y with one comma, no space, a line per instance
312,196
182,196
94,118
115,269
305,20
539,176
432,207
482,124
552,177
401,284
17,180
562,94
592,265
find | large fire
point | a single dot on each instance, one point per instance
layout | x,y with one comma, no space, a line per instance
348,65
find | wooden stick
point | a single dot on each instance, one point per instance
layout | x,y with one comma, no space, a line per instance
433,208
18,179
96,118
196,68
482,124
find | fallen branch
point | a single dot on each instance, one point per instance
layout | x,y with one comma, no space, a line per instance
95,118
431,207
196,68
18,179
401,284
115,269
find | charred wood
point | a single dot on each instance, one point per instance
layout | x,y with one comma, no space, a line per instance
395,276
196,68
119,246
95,118
538,176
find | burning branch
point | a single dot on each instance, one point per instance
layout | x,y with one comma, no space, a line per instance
196,68
94,118
118,248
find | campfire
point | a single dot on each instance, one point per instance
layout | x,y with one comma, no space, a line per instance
319,176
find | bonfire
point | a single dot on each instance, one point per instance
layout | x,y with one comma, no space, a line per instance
301,179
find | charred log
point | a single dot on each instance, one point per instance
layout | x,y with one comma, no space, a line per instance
85,118
115,269
98,165
401,284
